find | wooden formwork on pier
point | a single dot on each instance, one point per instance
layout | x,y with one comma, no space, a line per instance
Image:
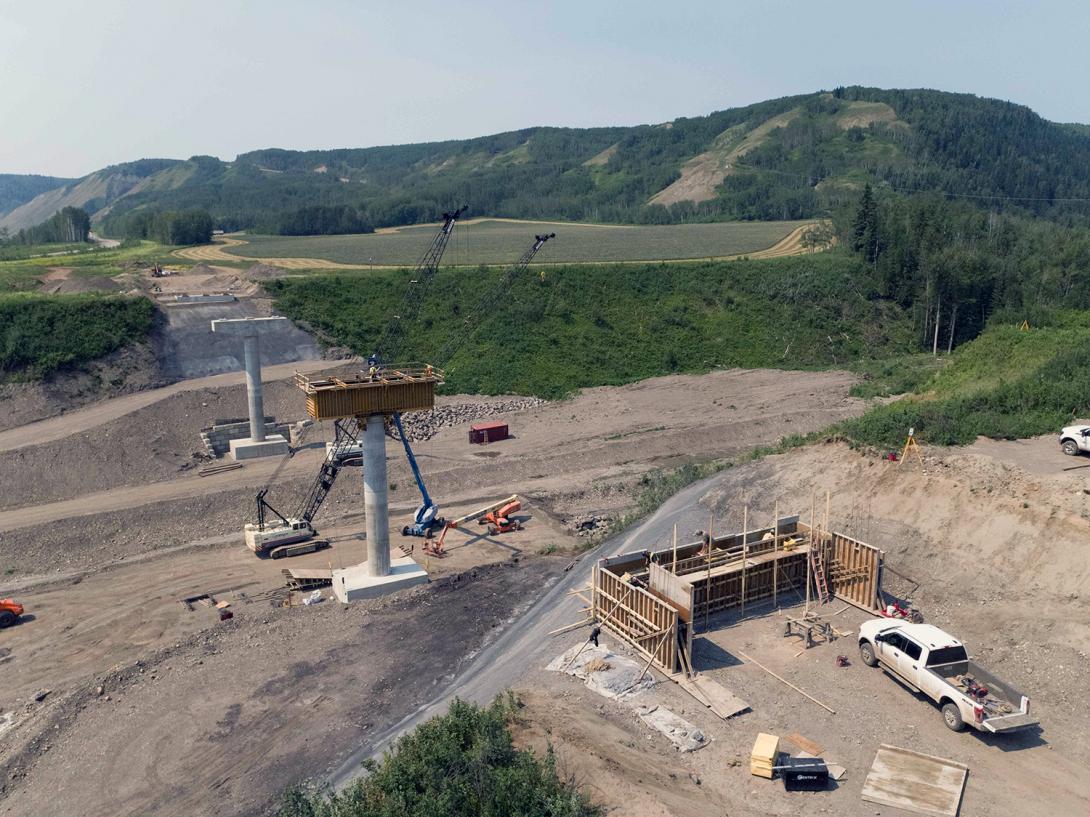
389,391
642,596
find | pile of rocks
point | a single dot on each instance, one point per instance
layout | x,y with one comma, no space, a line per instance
423,425
589,525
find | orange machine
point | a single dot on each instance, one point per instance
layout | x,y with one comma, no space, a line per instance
499,520
494,515
10,610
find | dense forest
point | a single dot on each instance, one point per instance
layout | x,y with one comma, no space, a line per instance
178,227
789,158
956,266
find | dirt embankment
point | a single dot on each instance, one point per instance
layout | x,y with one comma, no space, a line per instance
223,721
994,533
125,371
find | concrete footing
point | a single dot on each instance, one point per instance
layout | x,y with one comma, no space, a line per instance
272,446
356,582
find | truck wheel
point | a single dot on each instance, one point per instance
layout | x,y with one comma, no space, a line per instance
951,716
405,531
7,618
866,652
1070,447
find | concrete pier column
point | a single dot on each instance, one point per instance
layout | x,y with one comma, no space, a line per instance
259,443
375,496
253,388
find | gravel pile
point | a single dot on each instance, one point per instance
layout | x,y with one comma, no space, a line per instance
423,425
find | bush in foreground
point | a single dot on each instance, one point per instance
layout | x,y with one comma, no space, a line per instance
459,764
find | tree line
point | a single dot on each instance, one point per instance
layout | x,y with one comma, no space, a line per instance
70,225
956,266
177,227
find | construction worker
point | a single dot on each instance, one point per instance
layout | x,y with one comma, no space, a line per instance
594,633
428,370
372,373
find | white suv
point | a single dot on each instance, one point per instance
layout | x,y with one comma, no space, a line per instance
1074,439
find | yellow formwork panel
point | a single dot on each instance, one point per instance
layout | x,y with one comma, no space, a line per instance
397,390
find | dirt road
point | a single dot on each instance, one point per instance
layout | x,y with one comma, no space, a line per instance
65,425
237,710
1031,639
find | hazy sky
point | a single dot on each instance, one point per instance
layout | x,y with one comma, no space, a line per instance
83,84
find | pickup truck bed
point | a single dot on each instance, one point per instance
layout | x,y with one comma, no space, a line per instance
1002,704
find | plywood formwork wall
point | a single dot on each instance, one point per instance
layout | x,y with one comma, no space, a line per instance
647,623
855,569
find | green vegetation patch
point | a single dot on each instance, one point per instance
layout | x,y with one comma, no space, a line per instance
461,763
1005,384
502,242
559,329
40,334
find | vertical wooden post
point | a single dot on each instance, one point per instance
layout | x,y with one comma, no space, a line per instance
745,552
810,556
775,552
708,583
674,568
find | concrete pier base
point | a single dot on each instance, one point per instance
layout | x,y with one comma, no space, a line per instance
273,445
356,582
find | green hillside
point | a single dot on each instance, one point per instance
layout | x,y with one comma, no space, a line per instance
16,189
40,334
1007,383
571,327
790,158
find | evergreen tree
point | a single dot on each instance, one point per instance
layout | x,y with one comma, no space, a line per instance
865,226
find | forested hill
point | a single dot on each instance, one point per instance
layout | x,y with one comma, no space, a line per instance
787,158
17,189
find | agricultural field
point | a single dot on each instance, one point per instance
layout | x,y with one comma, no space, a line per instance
493,241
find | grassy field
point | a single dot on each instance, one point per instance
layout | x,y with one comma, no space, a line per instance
591,325
502,242
21,274
1005,384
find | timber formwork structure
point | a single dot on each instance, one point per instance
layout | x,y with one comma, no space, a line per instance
655,600
390,391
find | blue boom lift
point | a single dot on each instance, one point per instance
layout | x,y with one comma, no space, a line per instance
426,519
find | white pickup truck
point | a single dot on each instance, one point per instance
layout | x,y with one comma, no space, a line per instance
1074,439
934,663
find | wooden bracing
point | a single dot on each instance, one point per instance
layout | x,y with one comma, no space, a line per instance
640,597
637,617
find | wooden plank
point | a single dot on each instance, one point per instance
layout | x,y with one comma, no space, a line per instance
690,687
804,743
723,702
745,657
922,784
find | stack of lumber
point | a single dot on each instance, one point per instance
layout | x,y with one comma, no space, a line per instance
762,759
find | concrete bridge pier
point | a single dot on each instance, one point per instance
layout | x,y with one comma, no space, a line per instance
259,444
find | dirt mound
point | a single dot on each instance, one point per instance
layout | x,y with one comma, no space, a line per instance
263,272
72,286
201,269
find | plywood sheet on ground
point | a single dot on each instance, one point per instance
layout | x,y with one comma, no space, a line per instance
723,702
916,782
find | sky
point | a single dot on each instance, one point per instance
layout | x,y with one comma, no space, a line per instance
84,85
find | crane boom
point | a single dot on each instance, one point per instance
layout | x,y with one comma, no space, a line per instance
389,345
472,320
